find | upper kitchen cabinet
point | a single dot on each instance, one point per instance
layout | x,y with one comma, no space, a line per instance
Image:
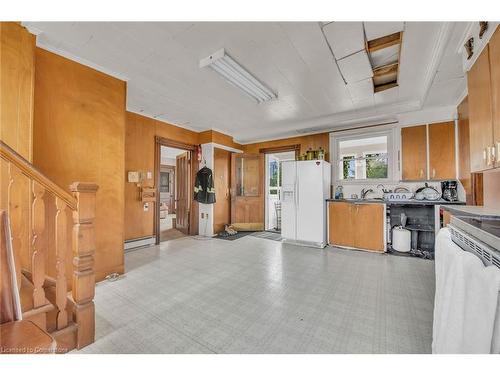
494,50
414,152
442,163
480,112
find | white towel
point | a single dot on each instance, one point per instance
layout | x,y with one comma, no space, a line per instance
466,305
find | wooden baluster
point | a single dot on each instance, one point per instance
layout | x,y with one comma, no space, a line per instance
19,200
83,261
38,256
61,283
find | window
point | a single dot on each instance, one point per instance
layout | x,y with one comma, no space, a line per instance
361,156
164,182
348,167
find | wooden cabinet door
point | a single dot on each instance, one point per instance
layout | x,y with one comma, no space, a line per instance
442,151
369,220
414,152
480,112
341,231
494,47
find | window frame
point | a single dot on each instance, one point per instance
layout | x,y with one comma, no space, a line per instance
390,131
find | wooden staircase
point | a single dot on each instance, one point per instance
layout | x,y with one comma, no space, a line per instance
53,244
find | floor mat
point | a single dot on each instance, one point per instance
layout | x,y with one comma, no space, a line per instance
234,237
269,235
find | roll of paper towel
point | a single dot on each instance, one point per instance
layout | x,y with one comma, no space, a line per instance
401,239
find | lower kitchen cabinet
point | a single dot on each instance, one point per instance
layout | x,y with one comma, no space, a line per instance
357,225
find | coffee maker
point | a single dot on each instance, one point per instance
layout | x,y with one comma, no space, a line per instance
450,190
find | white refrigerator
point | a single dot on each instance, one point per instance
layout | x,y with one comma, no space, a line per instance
305,187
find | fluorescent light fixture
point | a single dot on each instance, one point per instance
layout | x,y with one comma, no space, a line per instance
235,74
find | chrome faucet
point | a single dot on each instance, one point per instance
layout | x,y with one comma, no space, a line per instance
364,192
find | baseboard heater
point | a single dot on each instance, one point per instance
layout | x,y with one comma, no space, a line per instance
139,242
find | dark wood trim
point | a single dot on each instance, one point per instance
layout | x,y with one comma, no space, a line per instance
193,207
273,150
386,86
384,42
175,144
477,189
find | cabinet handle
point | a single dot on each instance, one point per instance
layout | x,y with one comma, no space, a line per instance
485,153
433,173
493,153
421,173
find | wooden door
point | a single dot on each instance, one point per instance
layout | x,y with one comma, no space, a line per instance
414,152
369,222
247,191
341,231
480,114
494,47
222,205
442,151
183,190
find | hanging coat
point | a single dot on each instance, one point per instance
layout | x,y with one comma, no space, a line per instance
204,191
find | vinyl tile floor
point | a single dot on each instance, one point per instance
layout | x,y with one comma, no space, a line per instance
255,295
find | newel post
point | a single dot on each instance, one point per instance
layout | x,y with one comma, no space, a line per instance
83,284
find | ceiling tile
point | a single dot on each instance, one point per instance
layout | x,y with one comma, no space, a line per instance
361,89
374,30
345,38
160,62
356,67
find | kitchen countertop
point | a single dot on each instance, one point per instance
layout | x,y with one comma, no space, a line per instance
398,203
475,211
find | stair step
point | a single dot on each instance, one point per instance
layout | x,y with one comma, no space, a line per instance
25,337
26,294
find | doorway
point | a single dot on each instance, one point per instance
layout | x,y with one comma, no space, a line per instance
273,188
222,205
172,197
176,212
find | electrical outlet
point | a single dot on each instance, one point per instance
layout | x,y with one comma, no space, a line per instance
202,215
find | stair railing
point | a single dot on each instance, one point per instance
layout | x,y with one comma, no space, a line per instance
54,240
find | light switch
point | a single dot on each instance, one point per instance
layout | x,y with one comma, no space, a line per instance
133,176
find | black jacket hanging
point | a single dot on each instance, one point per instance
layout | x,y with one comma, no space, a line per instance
204,191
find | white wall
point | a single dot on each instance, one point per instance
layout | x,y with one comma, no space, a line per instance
206,211
206,224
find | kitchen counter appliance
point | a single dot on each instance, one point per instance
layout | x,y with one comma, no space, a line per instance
449,189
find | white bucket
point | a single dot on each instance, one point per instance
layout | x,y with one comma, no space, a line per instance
401,239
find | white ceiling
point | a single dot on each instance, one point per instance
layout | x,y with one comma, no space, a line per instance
160,62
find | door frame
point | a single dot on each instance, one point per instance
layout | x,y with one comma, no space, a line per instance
193,206
274,150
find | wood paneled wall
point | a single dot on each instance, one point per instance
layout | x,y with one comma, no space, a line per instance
314,142
17,74
140,156
79,135
219,138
